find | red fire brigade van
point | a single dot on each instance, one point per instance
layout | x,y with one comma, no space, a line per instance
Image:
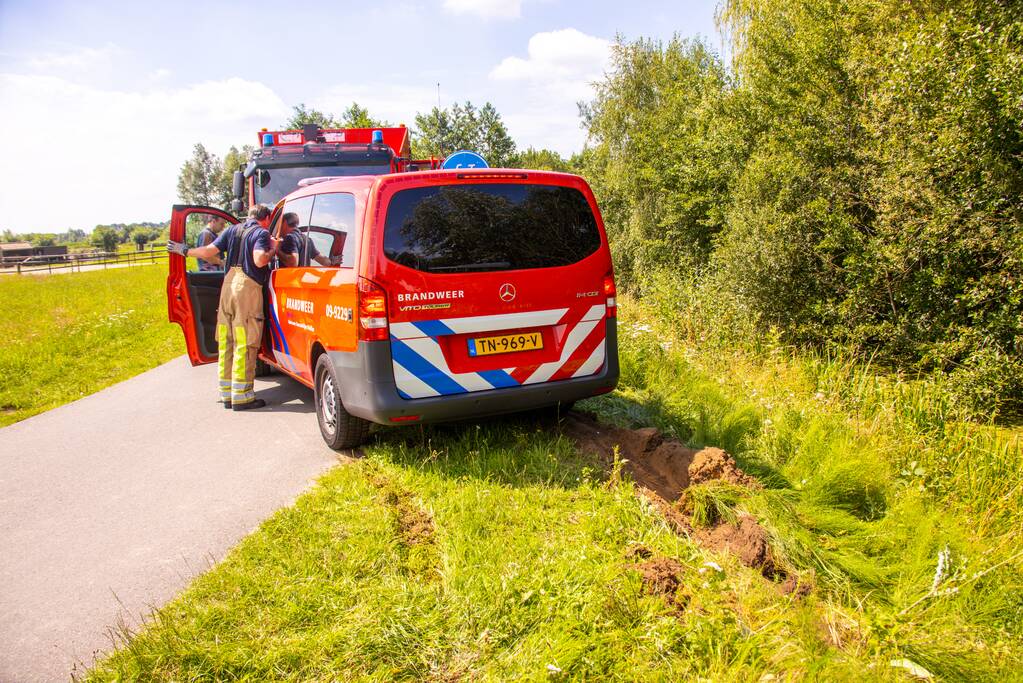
457,294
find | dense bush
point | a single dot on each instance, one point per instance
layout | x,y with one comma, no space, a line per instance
854,176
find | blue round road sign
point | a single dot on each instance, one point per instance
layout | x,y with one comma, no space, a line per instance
464,159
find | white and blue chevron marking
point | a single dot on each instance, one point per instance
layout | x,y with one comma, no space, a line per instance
421,371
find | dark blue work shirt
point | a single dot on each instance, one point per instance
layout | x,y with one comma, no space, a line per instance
207,236
292,244
258,238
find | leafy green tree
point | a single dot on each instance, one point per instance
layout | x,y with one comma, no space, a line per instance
359,117
106,238
301,116
72,235
541,160
44,240
434,134
235,160
142,236
443,131
201,180
853,176
491,138
662,157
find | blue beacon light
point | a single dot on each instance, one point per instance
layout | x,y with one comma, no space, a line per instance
268,139
378,137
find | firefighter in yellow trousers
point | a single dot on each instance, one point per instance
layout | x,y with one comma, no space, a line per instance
249,248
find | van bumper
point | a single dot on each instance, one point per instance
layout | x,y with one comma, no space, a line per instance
366,379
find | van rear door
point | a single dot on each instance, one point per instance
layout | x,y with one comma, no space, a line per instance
494,281
193,296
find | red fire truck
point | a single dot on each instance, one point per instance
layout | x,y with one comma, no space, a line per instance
286,157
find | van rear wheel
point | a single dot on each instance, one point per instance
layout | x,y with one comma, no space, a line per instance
338,428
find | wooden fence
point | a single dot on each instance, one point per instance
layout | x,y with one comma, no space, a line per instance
79,262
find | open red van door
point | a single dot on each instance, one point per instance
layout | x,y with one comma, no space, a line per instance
193,296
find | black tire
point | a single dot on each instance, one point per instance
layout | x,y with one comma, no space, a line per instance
263,369
560,411
338,428
556,412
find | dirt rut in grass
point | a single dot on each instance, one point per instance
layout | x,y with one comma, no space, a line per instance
663,469
413,525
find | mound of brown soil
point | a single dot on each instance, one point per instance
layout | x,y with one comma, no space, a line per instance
797,586
663,576
661,465
663,469
713,464
747,540
655,464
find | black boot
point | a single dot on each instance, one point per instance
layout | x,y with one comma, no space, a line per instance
251,405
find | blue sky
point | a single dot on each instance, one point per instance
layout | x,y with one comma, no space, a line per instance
101,102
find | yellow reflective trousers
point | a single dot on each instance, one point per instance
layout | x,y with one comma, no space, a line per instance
239,331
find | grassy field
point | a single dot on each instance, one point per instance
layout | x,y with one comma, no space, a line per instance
497,551
66,336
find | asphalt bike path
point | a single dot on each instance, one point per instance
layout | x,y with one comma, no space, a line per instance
110,505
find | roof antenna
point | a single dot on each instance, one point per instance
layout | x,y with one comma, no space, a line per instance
440,150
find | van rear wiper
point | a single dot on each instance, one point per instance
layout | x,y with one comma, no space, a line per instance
497,265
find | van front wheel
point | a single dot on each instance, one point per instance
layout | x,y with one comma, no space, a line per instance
338,428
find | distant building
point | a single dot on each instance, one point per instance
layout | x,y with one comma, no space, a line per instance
12,252
11,249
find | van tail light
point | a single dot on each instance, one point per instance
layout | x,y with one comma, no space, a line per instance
610,291
372,311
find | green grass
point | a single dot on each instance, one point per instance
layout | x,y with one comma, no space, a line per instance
525,573
67,336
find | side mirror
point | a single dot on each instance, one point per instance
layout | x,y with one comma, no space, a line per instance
237,185
236,206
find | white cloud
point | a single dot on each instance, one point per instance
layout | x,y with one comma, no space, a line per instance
394,103
557,72
77,59
104,155
566,56
486,9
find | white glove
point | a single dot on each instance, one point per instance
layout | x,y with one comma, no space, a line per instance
177,248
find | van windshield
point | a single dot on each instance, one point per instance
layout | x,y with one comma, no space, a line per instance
273,183
489,227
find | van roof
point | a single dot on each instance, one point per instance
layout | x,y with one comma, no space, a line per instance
360,183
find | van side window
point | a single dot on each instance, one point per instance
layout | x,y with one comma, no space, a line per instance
301,208
332,227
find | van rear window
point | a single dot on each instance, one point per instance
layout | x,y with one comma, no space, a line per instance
489,227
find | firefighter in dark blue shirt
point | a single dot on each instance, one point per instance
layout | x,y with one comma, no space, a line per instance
249,248
296,247
214,226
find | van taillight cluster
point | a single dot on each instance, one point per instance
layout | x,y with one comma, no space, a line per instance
372,311
610,291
